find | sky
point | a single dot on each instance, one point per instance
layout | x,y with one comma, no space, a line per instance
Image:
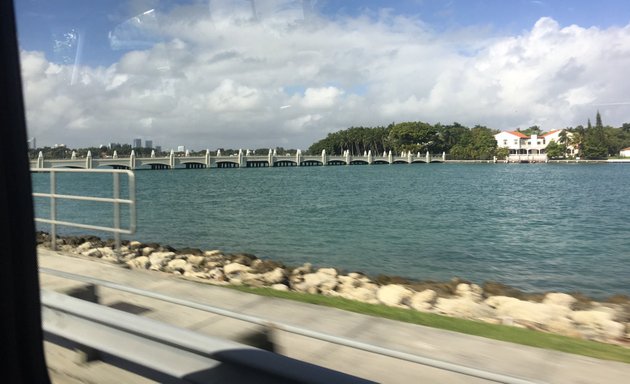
282,73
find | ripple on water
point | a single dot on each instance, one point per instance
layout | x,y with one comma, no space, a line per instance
537,227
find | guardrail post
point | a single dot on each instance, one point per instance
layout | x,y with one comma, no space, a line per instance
116,196
53,212
85,354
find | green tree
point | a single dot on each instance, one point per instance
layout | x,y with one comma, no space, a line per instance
555,150
413,136
595,141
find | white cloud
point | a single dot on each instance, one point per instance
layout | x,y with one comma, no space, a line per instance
324,97
219,78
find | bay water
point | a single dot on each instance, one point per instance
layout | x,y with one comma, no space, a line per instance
537,227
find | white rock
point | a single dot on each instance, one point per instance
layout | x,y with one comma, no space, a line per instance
516,309
197,275
561,299
423,301
216,274
252,279
234,268
175,265
591,318
146,251
280,287
356,275
363,294
394,295
598,324
213,264
314,282
159,259
107,252
84,247
348,280
562,326
141,262
134,244
462,307
613,330
92,253
214,252
328,271
276,276
306,268
195,260
469,291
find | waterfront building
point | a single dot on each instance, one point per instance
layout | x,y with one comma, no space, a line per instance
137,143
529,148
625,152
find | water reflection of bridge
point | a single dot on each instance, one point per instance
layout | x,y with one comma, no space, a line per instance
241,160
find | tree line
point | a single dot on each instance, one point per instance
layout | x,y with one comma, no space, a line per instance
476,143
459,141
591,142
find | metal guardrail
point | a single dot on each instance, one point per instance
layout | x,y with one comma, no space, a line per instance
115,200
177,352
443,365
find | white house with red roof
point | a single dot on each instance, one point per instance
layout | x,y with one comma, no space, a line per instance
528,148
624,152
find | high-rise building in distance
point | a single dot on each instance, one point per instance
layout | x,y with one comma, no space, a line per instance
137,143
148,143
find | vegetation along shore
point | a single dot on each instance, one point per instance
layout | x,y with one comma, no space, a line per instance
572,315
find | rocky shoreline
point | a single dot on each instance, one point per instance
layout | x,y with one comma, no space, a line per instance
570,315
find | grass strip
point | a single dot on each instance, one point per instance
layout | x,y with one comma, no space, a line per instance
498,332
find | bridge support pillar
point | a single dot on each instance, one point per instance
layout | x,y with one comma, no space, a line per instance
390,157
409,157
298,157
428,157
242,160
207,158
88,160
348,157
40,160
324,159
444,157
370,158
171,159
132,160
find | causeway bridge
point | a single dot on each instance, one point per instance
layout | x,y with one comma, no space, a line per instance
241,160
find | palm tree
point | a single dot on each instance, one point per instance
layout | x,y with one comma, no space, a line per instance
577,138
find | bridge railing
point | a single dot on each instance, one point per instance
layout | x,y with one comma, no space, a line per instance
115,200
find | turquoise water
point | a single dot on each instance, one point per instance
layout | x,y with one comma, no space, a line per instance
533,226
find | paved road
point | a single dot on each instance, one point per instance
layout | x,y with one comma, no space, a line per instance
515,360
